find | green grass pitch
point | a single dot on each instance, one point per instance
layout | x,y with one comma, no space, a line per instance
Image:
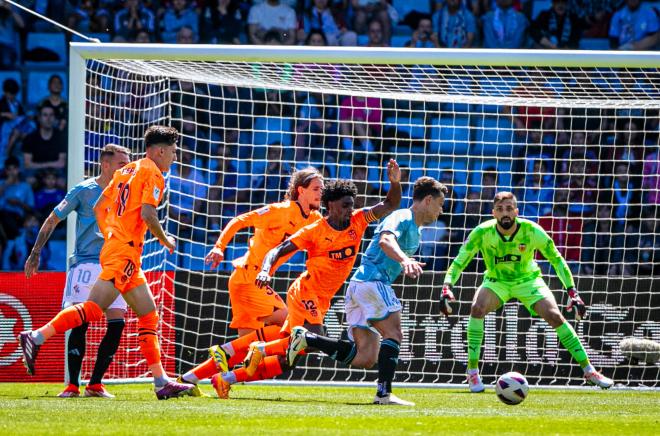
309,410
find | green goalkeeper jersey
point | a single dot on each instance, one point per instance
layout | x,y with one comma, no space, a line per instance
510,258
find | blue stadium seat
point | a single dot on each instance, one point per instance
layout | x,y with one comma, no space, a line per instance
362,40
539,6
271,130
192,255
345,169
450,136
494,136
16,75
594,44
57,259
495,86
412,126
404,7
399,40
37,85
103,37
502,167
52,44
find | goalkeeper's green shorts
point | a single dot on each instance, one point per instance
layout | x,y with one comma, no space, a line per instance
528,293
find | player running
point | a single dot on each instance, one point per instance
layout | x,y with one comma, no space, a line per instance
124,211
332,245
258,313
508,245
84,268
372,307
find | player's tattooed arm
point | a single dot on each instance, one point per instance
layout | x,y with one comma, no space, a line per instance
264,278
47,228
150,217
393,199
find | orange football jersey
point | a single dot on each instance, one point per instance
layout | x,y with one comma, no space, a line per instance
272,225
331,253
140,182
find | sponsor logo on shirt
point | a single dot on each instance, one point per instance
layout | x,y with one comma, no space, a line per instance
507,258
62,205
342,253
156,193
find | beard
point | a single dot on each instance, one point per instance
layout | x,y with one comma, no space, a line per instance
506,225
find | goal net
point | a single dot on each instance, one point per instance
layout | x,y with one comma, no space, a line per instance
573,134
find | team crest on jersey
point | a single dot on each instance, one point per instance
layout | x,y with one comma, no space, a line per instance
62,205
352,234
522,247
156,193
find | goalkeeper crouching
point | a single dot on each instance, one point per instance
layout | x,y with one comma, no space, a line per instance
508,245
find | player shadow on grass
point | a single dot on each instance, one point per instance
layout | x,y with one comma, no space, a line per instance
305,400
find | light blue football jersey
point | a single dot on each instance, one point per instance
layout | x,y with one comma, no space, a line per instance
376,265
89,241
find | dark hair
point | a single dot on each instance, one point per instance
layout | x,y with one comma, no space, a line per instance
110,149
161,135
337,189
428,186
53,77
316,32
12,161
301,178
273,35
11,86
504,195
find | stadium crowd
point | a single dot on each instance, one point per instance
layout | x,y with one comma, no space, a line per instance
583,182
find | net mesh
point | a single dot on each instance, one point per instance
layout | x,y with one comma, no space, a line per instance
579,147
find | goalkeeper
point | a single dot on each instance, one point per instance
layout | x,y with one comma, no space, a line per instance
508,245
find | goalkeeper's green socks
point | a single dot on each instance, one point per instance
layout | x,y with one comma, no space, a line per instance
475,335
572,343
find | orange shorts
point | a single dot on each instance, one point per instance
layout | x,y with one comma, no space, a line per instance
304,307
120,263
249,304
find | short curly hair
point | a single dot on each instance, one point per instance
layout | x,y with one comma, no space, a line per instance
336,189
161,135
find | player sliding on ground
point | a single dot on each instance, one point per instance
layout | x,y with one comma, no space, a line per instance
258,313
84,268
372,308
124,211
508,245
332,244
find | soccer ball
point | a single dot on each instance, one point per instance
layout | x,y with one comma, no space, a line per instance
511,388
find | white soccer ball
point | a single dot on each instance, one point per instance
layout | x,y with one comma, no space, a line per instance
511,388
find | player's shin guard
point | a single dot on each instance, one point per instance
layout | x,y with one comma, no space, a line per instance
340,350
148,337
475,335
73,316
572,343
76,352
388,357
107,349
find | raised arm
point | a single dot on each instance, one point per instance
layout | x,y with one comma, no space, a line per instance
32,262
393,199
264,278
150,216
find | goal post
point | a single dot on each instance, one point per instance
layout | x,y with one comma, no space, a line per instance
572,133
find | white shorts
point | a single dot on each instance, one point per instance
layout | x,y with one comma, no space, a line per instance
367,302
79,283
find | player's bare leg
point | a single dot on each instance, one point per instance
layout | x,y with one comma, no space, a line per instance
141,301
549,311
484,302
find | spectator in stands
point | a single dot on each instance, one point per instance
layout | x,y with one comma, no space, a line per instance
602,243
634,27
316,38
45,147
504,27
651,181
185,35
456,25
557,27
566,231
360,123
647,256
222,22
177,16
143,37
134,18
623,192
188,193
367,193
595,14
366,11
271,15
49,195
16,200
319,16
11,113
535,192
11,24
488,189
424,36
270,186
89,17
225,198
433,247
56,101
578,150
18,249
582,189
376,36
314,124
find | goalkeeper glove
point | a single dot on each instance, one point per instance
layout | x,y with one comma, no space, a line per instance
445,298
576,301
